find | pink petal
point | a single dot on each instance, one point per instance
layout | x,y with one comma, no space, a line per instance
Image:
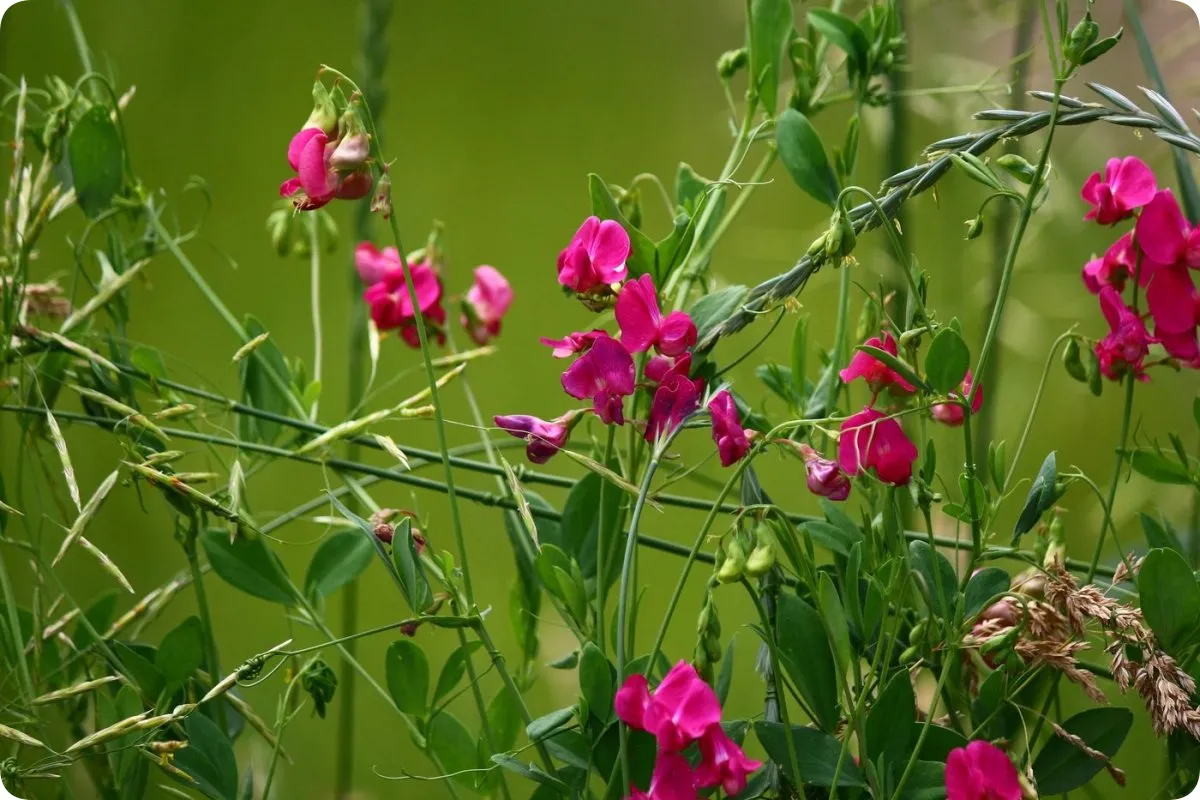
1171,297
993,764
297,144
609,251
676,334
1161,229
490,295
355,185
631,701
1111,305
638,314
289,187
1133,182
373,265
1089,190
314,175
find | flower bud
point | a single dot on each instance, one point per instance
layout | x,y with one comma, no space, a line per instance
762,557
320,681
385,532
731,61
1018,167
324,114
1056,540
1073,362
1091,368
974,228
381,203
842,239
351,152
735,562
1081,38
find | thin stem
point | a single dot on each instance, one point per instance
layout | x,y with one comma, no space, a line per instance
281,722
484,724
602,548
1122,439
315,306
210,638
81,45
1037,399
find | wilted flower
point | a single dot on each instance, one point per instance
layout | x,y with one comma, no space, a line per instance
952,413
1128,342
544,438
823,476
1127,184
604,375
728,433
573,342
871,440
486,304
878,375
643,326
981,771
595,257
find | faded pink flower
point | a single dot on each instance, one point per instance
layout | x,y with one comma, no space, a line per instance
981,771
824,477
1127,184
728,433
676,397
1128,342
573,343
723,763
1164,235
1113,268
878,375
871,440
672,780
392,308
486,304
544,438
643,325
677,713
952,413
595,257
373,265
605,375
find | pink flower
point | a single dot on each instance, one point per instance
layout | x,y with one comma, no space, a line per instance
981,771
544,438
643,325
1128,342
605,375
678,712
878,375
487,302
871,440
672,780
952,413
573,342
723,763
318,181
595,257
1164,235
676,397
824,477
372,265
728,433
1171,298
1114,268
392,308
1127,184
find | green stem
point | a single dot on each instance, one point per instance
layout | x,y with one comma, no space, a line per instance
1037,399
484,724
1122,440
315,305
210,637
281,722
498,661
81,45
602,548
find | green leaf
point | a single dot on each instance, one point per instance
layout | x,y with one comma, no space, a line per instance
530,770
939,741
983,586
453,670
926,782
407,672
817,754
341,557
725,675
596,682
1158,468
1158,534
804,157
831,537
181,652
938,577
713,309
504,719
97,159
1040,499
454,748
259,389
947,361
807,659
671,251
1170,598
690,188
548,724
779,380
843,32
248,564
771,26
642,251
889,723
409,569
1061,766
141,670
834,616
799,352
580,525
208,758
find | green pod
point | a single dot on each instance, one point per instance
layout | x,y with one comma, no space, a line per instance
735,562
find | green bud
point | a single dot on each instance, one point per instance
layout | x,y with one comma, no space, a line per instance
735,562
324,114
910,655
841,237
731,61
1056,542
761,559
817,248
1084,36
1018,167
1091,368
1073,361
320,681
974,228
1100,48
279,226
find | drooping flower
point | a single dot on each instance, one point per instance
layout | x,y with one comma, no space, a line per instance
1164,235
677,713
572,343
595,257
952,413
1127,184
981,771
878,375
676,397
1127,344
727,431
723,763
605,375
871,440
372,265
823,476
486,304
544,439
317,180
391,304
673,779
643,326
1113,268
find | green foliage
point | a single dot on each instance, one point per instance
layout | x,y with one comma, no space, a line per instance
804,157
97,158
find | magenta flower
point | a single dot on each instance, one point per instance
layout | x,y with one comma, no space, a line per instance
1128,342
677,713
676,397
727,431
643,325
824,477
1113,268
723,763
544,438
373,265
871,440
487,302
605,375
1164,235
392,308
981,771
595,257
878,375
572,343
672,780
952,413
1171,298
318,181
1127,184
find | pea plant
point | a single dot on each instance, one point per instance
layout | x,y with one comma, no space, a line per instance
915,642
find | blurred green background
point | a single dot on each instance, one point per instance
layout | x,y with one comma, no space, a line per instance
496,112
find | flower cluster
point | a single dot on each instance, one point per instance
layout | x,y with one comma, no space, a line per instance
329,155
683,710
1158,255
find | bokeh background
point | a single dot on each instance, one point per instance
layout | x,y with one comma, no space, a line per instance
495,114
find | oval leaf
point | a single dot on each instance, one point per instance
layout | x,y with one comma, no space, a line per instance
804,157
407,672
97,160
1170,598
341,558
947,361
1061,766
247,564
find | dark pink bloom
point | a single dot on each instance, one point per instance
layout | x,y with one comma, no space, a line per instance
318,181
1181,346
1128,342
1164,235
723,763
871,440
1127,184
672,780
878,375
676,397
573,343
595,257
728,433
1171,298
1113,268
643,325
544,438
392,308
678,712
605,375
952,413
824,477
373,265
981,771
487,302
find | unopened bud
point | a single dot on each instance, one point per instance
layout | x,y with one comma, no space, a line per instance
1018,167
841,237
1073,361
974,228
1081,38
385,532
351,152
324,114
381,203
731,61
735,562
762,559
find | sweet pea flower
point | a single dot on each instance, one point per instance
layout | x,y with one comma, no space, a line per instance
981,771
544,439
605,375
1164,235
579,342
731,439
1113,268
317,180
486,304
676,397
677,713
595,257
1171,298
824,477
643,326
878,375
673,779
952,413
1127,184
723,763
871,440
392,308
1128,342
372,265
